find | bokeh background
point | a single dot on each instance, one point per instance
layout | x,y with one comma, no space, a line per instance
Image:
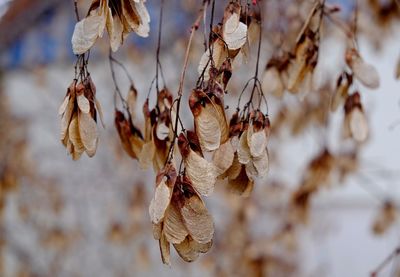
90,217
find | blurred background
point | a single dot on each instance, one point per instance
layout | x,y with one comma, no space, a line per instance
60,217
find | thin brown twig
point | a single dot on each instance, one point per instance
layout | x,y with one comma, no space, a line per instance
384,263
76,9
194,27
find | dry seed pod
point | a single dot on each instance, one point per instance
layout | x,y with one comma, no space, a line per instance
197,220
272,82
174,229
276,75
165,250
385,218
209,118
346,163
164,100
146,155
131,101
165,182
365,73
306,53
88,133
238,180
78,122
219,55
234,32
226,44
252,148
223,157
189,249
75,138
355,122
66,111
201,172
131,137
119,17
302,67
342,90
186,223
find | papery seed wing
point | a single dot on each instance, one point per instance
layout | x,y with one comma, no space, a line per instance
165,250
186,250
339,97
299,68
208,129
162,131
88,133
85,33
130,14
157,230
365,73
385,218
223,123
131,101
242,184
231,20
74,136
237,38
358,125
83,103
189,249
223,157
136,144
251,169
100,110
66,118
174,228
64,104
115,31
144,27
219,54
197,220
261,164
146,155
243,151
272,83
202,173
75,154
257,142
160,201
306,86
234,170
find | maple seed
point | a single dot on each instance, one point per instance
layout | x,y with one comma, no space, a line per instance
78,119
365,73
119,17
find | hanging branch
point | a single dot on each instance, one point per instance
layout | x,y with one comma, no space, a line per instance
194,27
